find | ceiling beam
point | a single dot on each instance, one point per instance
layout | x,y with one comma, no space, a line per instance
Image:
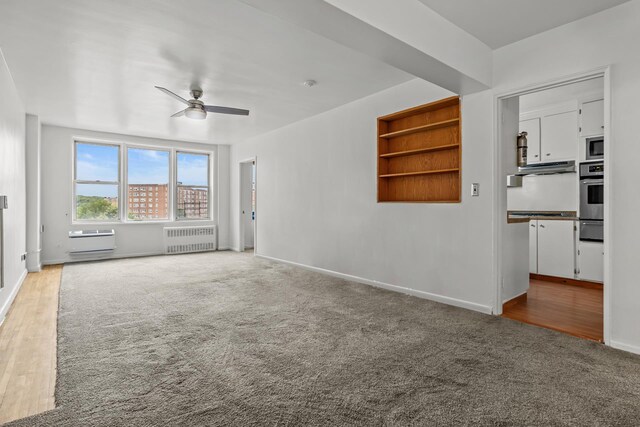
447,61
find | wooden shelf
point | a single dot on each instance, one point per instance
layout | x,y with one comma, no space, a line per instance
395,175
419,151
420,154
423,128
432,106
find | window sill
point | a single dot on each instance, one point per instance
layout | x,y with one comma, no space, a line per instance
162,222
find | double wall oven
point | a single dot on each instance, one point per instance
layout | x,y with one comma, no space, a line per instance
592,201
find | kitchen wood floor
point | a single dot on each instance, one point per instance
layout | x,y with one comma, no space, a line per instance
28,347
571,309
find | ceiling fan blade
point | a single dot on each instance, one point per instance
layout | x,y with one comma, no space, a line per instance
226,110
179,113
168,92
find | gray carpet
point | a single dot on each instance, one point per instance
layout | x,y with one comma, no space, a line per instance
227,339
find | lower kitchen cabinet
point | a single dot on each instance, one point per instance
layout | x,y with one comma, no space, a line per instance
554,248
591,261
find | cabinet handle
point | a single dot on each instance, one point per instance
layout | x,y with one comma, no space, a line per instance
533,225
602,127
535,155
542,226
548,154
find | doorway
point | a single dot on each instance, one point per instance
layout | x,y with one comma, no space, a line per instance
552,263
248,205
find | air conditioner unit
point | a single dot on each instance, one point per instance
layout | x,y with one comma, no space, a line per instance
91,241
180,240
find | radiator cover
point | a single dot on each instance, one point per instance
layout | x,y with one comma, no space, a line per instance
181,240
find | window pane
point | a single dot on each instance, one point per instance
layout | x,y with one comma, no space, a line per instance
193,202
148,174
97,202
97,162
193,169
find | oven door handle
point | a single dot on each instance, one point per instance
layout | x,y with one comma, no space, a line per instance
592,181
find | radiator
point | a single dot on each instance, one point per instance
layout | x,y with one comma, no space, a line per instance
90,241
181,240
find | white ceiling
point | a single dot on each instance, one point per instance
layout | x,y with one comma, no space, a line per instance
498,23
93,63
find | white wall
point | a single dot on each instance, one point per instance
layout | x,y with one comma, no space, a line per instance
131,239
610,37
33,161
316,189
12,184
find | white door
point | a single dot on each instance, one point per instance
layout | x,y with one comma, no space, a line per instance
592,115
556,248
559,137
532,127
533,246
591,261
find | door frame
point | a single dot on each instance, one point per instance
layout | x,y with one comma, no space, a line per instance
500,200
253,160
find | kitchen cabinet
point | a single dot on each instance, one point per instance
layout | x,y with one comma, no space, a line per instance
559,137
532,127
556,248
591,261
533,246
592,118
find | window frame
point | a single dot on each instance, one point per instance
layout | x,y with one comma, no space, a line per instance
125,215
75,181
123,177
177,186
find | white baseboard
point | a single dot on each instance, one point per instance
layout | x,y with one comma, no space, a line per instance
512,298
7,305
86,258
421,294
626,347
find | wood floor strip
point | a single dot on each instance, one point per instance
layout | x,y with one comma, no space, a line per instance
574,310
28,347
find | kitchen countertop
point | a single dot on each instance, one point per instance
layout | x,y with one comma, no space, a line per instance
514,218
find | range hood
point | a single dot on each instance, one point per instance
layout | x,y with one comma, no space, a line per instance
550,168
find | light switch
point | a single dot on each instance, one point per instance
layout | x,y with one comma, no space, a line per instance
475,189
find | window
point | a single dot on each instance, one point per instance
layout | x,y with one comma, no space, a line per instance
146,169
100,183
192,180
96,182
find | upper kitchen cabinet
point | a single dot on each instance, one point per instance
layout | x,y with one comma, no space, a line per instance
592,118
559,137
532,127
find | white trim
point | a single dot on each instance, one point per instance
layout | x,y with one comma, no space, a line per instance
12,296
420,294
625,347
605,73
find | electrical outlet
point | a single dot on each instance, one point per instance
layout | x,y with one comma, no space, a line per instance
475,189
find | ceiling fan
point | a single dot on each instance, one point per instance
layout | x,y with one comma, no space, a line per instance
197,110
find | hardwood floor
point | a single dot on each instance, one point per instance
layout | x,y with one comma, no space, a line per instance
574,310
28,347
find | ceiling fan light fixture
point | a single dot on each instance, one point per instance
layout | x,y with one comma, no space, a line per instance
195,113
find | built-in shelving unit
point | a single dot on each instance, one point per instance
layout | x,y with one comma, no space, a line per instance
419,154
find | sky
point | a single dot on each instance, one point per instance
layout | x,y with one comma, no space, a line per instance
100,162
